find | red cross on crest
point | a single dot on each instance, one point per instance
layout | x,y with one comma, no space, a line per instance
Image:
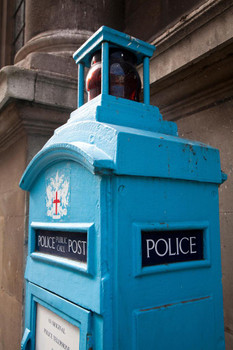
58,194
56,201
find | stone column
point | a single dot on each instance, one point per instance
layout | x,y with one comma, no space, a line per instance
55,29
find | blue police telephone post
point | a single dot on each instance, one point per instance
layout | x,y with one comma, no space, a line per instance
124,243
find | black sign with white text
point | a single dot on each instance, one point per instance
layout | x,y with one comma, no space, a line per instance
71,245
166,247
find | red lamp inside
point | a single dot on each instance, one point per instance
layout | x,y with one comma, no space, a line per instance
124,80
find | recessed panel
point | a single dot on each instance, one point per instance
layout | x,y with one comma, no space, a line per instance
188,325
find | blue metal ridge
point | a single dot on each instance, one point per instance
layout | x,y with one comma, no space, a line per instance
112,110
138,47
127,151
114,135
165,156
91,157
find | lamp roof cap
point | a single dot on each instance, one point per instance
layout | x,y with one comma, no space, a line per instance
115,38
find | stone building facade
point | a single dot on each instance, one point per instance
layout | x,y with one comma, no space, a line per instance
191,82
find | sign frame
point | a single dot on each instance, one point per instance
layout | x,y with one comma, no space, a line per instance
70,312
139,270
65,244
167,247
87,267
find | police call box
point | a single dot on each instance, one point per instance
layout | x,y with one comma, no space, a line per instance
124,243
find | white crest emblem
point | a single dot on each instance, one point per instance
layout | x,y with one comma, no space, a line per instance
57,195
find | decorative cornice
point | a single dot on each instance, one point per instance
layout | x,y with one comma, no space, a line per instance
11,130
195,103
192,68
189,41
32,102
205,84
189,23
36,86
21,118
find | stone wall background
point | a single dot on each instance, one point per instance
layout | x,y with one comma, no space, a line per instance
191,82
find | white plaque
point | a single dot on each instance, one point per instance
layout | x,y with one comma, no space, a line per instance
55,333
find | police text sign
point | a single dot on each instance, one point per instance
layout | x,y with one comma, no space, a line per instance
71,245
165,247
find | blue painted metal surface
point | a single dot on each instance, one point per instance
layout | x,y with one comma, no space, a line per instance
105,67
146,80
126,170
81,84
